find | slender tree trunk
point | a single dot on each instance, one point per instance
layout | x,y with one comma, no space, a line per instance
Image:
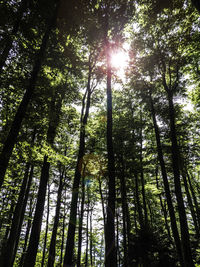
163,209
37,221
91,242
55,108
177,182
52,247
87,230
139,209
166,185
190,203
117,237
102,202
142,175
124,210
63,236
28,228
9,220
10,247
69,251
18,216
194,199
81,223
111,255
101,251
46,228
18,233
21,111
9,41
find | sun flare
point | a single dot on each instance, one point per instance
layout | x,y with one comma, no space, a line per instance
119,60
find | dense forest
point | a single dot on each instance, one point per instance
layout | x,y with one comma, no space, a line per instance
99,133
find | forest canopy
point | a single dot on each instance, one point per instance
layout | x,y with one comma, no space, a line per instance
99,133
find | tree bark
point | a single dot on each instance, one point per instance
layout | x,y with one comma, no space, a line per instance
190,203
46,228
11,243
31,209
111,255
55,108
21,111
77,177
51,257
163,208
166,184
124,210
188,261
194,199
87,228
81,223
142,175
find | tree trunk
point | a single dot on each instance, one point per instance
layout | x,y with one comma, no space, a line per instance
10,246
163,208
46,228
81,223
117,236
21,111
188,261
87,230
124,210
18,216
55,108
28,228
63,235
91,242
69,251
23,211
51,257
111,255
194,199
190,203
139,209
166,185
142,175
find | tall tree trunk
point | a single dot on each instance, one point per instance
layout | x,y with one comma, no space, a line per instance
194,199
37,221
52,248
166,184
21,111
139,208
18,215
142,174
117,236
111,255
9,41
177,182
124,210
28,228
46,228
63,235
23,212
55,108
163,207
102,202
87,230
91,241
69,250
81,223
10,246
190,203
